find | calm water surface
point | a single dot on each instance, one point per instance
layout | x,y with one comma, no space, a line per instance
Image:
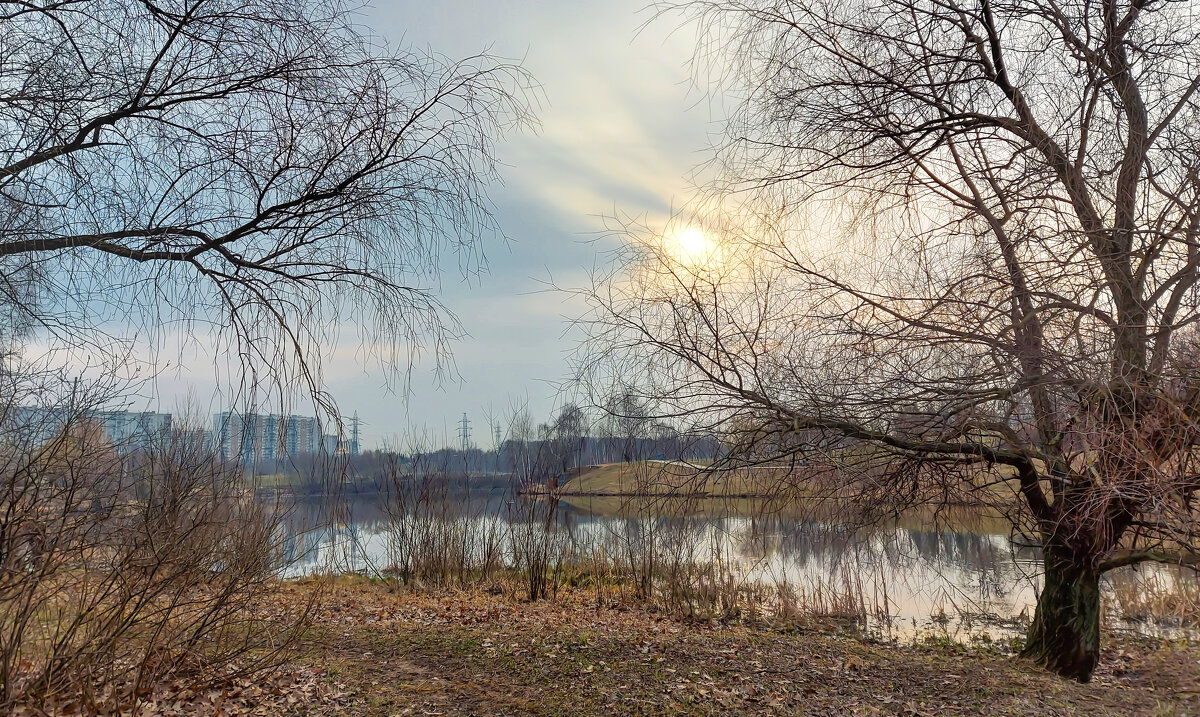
961,584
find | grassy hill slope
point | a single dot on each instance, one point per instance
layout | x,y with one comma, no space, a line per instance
673,478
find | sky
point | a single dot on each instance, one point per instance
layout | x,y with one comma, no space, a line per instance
621,129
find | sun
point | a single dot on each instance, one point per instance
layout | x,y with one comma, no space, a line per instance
691,247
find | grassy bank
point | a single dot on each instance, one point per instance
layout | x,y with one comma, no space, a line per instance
376,649
641,478
801,481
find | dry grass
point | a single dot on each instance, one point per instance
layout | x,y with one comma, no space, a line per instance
671,478
122,572
1168,597
392,651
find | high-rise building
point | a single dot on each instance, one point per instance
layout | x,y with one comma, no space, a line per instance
332,444
231,435
256,436
134,430
126,430
301,435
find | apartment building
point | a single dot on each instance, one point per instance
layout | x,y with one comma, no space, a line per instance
132,430
257,436
126,430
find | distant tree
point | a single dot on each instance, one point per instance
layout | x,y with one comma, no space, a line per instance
519,453
627,423
962,246
567,434
256,165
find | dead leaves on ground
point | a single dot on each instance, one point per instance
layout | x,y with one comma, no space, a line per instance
291,690
375,651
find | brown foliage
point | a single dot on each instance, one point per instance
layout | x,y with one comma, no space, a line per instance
120,571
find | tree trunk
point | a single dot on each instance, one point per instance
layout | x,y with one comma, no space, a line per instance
1065,634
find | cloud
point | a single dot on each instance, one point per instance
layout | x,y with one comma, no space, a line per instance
620,133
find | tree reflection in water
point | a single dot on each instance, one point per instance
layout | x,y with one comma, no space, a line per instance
905,581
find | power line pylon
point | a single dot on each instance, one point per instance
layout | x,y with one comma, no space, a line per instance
464,433
354,445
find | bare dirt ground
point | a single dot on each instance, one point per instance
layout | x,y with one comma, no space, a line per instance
375,650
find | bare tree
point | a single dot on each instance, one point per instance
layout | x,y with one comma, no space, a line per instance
626,424
960,244
259,167
567,434
257,170
121,570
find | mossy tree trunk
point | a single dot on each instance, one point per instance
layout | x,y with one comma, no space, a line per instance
1065,634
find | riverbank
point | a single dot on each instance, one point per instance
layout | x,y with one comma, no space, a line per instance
379,650
778,484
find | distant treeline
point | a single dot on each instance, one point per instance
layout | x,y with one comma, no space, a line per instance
537,460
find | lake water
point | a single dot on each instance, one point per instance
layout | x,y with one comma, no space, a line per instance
913,582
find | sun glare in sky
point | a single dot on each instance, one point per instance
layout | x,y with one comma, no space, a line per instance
691,247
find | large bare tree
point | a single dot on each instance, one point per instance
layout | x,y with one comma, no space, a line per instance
960,250
263,167
256,171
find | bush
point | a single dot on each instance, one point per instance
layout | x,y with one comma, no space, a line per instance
119,570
